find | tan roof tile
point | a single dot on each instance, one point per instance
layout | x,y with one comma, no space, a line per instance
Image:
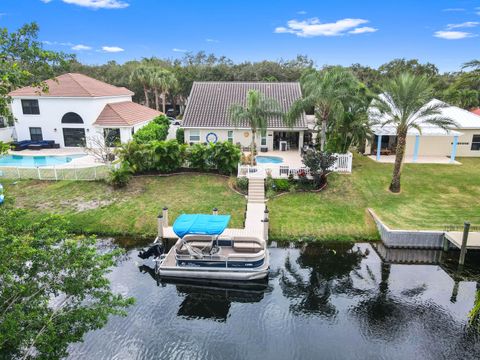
125,113
74,85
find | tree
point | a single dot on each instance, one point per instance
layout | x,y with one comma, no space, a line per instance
255,114
23,61
328,93
162,81
4,148
406,104
157,130
143,75
54,286
101,146
319,163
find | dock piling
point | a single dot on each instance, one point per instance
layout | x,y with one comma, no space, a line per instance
215,211
165,217
463,249
160,226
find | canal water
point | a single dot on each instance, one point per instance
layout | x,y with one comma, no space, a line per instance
339,301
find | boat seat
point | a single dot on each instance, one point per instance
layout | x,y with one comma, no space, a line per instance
247,246
201,245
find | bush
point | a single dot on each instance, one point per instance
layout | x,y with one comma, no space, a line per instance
225,157
180,135
282,185
242,184
197,157
120,177
156,130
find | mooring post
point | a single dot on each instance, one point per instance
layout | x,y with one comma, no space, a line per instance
463,250
445,243
265,224
215,211
165,217
160,226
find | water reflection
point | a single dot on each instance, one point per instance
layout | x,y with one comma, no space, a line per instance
337,301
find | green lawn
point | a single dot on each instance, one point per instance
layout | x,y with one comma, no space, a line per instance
432,196
93,207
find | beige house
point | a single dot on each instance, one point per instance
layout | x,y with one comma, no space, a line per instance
431,142
206,117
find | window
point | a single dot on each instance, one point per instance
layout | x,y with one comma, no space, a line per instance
74,137
194,135
230,136
112,137
476,143
36,134
30,107
72,118
263,141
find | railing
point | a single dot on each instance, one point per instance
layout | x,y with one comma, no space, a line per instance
343,164
54,173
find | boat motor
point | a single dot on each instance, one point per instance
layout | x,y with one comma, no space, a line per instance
155,250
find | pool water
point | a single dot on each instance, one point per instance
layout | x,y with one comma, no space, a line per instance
338,301
268,159
35,161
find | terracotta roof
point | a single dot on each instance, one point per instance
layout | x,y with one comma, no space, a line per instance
476,111
209,102
74,85
125,113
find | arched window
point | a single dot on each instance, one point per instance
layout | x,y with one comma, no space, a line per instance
72,118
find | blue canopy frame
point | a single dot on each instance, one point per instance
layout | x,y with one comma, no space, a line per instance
200,224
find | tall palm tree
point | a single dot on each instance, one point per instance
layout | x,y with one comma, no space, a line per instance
163,81
406,104
255,114
143,75
327,92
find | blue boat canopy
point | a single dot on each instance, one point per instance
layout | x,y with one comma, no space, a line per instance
200,224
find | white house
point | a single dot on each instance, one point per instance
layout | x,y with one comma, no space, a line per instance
206,116
75,110
431,141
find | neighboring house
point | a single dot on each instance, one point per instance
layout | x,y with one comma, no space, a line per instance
206,117
463,140
75,110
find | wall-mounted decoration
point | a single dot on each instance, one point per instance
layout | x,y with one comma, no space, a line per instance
211,138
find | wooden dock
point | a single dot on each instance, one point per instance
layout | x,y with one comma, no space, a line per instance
455,238
256,215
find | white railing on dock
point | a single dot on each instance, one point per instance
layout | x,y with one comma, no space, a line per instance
54,173
343,164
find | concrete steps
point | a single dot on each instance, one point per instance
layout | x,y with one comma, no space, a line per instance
256,191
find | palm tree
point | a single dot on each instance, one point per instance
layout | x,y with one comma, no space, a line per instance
143,75
163,81
406,104
327,92
255,114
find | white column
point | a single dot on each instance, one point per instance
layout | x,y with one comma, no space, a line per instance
300,141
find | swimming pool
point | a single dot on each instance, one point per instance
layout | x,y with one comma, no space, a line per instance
268,160
35,161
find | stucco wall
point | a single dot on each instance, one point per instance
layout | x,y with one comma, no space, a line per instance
465,143
52,111
242,136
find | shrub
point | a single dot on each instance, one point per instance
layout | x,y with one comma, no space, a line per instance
242,183
180,135
168,156
156,130
197,156
282,184
120,177
225,157
319,163
139,156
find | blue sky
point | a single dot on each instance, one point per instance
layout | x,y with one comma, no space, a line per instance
370,32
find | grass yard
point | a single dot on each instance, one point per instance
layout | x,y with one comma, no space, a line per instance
432,196
93,207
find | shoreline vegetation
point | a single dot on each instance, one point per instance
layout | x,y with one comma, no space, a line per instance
432,197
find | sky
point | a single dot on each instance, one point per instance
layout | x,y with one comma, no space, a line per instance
369,32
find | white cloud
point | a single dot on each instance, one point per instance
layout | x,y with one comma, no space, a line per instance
46,42
313,27
81,47
453,35
46,1
99,4
179,50
363,30
301,12
467,24
212,40
112,49
454,9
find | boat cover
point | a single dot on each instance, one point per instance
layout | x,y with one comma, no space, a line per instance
200,224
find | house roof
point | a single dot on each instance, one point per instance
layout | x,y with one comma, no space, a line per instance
209,102
476,112
73,85
464,118
125,113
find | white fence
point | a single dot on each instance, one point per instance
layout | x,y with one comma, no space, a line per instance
53,173
6,134
343,164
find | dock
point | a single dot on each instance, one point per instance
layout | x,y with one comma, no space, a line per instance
455,238
256,215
